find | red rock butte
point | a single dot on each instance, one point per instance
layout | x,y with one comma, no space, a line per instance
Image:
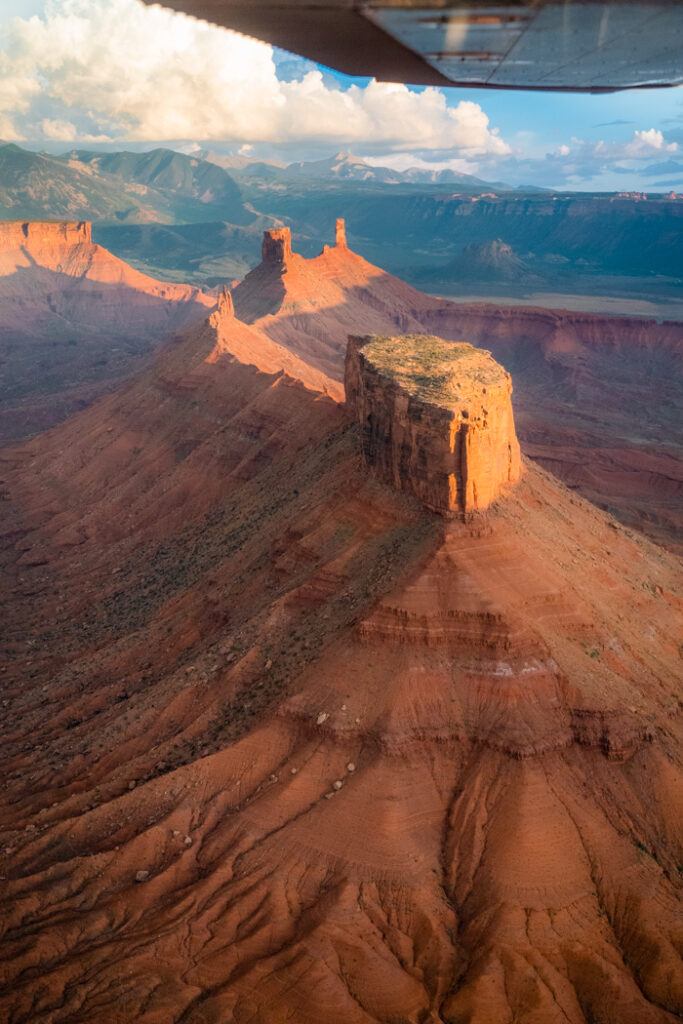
436,419
75,321
17,232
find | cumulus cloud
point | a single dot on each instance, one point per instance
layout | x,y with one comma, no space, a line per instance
59,131
120,70
643,143
580,160
641,146
604,164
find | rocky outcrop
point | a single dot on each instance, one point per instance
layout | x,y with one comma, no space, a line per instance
340,233
225,308
31,233
75,319
436,419
578,377
277,247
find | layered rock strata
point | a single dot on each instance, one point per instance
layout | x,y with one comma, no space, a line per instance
436,419
280,747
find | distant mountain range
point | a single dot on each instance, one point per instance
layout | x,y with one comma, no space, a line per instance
158,186
344,166
166,187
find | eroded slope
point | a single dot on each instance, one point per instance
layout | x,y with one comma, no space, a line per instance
285,746
75,320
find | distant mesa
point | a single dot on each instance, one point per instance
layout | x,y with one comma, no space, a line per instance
436,419
493,261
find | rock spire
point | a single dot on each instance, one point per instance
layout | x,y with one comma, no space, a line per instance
277,246
340,233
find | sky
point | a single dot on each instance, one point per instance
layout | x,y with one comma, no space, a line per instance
118,74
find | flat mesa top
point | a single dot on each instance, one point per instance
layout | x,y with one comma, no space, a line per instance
435,371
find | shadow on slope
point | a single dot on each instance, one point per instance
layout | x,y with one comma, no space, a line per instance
69,333
283,745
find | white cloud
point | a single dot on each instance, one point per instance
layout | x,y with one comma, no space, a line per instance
120,69
584,160
403,161
645,142
59,131
640,146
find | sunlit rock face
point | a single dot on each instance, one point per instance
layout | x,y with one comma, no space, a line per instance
36,234
436,419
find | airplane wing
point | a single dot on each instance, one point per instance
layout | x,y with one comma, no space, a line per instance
575,45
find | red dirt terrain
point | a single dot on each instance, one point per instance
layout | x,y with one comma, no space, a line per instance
584,384
75,320
283,746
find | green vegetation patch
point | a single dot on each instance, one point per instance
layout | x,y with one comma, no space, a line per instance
436,371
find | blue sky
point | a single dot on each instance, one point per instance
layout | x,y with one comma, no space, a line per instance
114,73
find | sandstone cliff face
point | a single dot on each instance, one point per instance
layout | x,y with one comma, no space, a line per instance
578,379
277,247
436,419
37,234
577,376
75,319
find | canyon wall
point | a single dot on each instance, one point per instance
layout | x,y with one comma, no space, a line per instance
436,419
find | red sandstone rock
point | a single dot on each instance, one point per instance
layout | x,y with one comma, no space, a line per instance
435,418
311,306
498,698
578,377
75,319
340,233
277,247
